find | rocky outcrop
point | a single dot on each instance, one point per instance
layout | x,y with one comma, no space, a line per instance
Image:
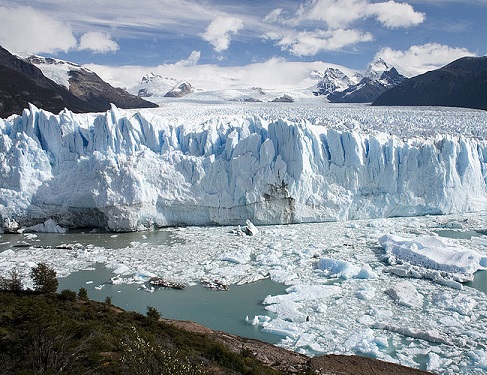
183,89
462,83
22,82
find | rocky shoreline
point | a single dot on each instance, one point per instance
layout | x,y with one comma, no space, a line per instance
289,362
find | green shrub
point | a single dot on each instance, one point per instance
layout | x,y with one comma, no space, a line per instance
68,295
44,278
12,283
152,313
83,294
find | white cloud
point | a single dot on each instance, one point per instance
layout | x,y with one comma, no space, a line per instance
273,16
97,42
332,21
309,43
394,15
336,13
272,74
341,13
24,29
419,59
191,60
219,31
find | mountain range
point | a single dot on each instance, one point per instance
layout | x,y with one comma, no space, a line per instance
78,89
462,83
337,87
54,84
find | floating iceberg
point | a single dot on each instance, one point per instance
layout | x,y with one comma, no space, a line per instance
49,226
344,269
433,253
404,293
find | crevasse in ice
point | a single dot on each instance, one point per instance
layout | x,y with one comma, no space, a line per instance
125,171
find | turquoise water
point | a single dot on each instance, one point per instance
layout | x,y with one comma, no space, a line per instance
458,234
479,282
102,239
220,310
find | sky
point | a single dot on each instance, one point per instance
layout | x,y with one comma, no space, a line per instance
120,38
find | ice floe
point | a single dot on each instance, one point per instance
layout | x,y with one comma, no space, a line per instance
433,253
414,321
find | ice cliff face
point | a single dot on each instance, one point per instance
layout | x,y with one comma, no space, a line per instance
124,172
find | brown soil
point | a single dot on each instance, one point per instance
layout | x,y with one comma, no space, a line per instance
293,363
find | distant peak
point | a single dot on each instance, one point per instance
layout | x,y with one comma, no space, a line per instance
376,68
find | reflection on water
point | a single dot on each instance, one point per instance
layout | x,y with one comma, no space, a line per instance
224,311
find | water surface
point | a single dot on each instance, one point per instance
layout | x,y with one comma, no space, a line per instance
220,310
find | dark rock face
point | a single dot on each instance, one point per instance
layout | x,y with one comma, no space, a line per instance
368,89
462,83
21,83
179,91
283,99
89,87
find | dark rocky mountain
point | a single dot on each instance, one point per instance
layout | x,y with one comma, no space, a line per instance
368,89
184,88
462,83
340,88
21,83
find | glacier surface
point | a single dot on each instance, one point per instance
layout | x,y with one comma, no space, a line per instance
273,164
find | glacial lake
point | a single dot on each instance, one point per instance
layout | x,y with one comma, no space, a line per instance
219,310
343,312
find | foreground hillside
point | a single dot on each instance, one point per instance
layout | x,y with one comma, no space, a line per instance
462,83
60,334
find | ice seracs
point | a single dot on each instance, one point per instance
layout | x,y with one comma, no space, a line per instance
126,171
344,269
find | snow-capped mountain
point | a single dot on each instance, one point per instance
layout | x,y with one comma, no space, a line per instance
154,86
182,89
376,68
333,80
157,87
368,89
63,85
86,84
337,87
55,69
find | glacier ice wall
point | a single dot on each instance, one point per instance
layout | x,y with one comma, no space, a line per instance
124,171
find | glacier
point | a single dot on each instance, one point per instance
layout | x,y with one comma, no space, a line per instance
130,170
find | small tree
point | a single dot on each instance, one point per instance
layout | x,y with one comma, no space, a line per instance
83,294
12,283
44,278
108,300
152,313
